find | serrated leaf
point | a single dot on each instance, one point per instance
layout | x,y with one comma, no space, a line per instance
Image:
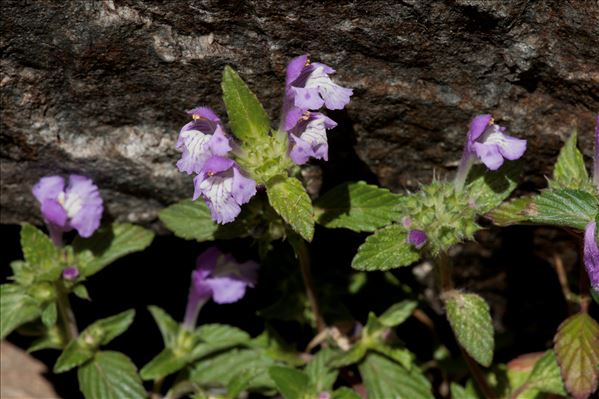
110,375
572,208
320,374
169,328
488,189
23,274
511,212
49,314
291,383
398,313
247,117
345,393
290,200
358,207
470,320
16,308
165,363
75,354
105,330
544,377
385,249
577,352
385,379
569,170
39,251
108,244
222,368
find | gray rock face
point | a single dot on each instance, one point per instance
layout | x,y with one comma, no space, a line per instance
99,87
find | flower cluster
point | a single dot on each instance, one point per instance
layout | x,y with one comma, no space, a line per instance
219,180
308,88
78,206
220,277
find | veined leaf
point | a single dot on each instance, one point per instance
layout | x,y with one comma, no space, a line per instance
544,377
39,252
358,207
569,170
470,320
292,383
247,118
385,379
577,352
488,189
16,308
108,244
320,374
385,249
73,355
398,313
511,212
572,208
165,363
289,198
110,375
169,328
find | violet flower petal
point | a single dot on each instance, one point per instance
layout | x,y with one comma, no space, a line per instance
591,255
70,273
226,289
243,188
478,126
83,205
417,238
54,213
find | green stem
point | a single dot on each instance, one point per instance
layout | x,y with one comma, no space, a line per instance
67,316
446,285
299,245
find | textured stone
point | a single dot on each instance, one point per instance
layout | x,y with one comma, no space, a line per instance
99,87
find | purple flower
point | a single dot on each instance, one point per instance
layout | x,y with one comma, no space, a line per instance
220,277
596,160
309,137
591,255
490,144
224,187
417,238
78,206
70,273
200,139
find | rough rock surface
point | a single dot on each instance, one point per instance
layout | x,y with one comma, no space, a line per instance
99,87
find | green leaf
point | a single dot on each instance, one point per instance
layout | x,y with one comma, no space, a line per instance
16,308
345,393
385,249
213,333
577,352
289,198
75,354
569,171
49,314
511,212
401,355
23,273
241,381
572,208
488,189
108,244
81,292
321,375
470,320
458,392
544,377
292,383
358,207
165,363
247,118
352,356
222,368
190,220
39,251
169,328
102,331
110,375
385,379
398,313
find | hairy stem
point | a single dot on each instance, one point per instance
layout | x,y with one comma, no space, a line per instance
446,284
304,262
67,316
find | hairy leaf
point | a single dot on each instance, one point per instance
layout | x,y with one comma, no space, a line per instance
398,313
108,244
16,308
110,375
292,383
289,198
470,320
385,249
577,352
247,118
39,252
544,377
572,208
511,212
385,379
488,189
569,170
320,374
358,207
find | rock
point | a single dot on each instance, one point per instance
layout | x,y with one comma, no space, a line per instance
99,87
21,375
